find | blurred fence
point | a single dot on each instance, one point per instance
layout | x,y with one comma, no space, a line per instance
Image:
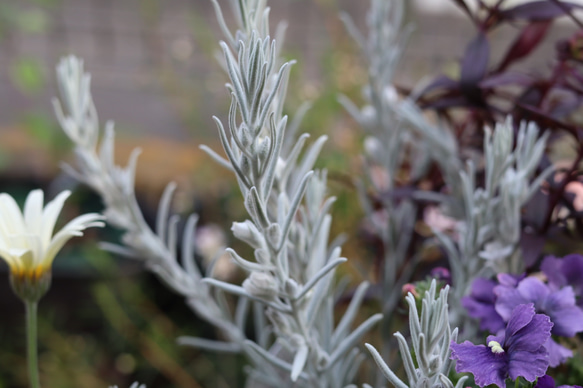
153,64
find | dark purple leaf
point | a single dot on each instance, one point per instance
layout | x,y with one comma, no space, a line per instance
534,213
474,68
532,246
566,106
399,193
539,10
507,78
448,102
441,82
530,37
462,4
534,95
475,61
543,120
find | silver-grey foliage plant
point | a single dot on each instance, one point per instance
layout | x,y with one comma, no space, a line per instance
291,276
430,337
290,289
487,236
488,219
290,283
397,133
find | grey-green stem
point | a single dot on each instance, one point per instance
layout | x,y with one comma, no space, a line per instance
31,343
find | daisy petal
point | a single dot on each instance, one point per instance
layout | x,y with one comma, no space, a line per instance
33,208
50,215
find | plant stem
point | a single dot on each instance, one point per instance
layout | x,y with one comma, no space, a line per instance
31,342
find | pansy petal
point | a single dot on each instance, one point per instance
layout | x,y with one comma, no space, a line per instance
490,320
551,267
529,365
545,382
509,280
530,337
533,290
483,290
572,269
558,354
480,305
497,338
567,317
507,299
486,366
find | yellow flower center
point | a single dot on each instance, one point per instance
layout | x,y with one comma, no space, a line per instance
30,284
30,273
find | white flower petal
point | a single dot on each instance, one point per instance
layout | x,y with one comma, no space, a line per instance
12,221
56,244
50,215
26,240
84,221
16,252
25,245
75,227
33,210
12,260
25,258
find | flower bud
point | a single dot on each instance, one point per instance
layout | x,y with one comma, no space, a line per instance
247,232
261,285
390,95
274,234
322,359
296,340
410,288
245,165
244,135
368,117
263,148
291,287
373,148
279,321
262,256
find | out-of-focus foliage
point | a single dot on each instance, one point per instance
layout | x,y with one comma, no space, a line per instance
402,206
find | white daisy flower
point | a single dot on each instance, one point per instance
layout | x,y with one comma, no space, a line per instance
27,241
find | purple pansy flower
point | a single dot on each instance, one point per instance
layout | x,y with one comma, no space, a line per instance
442,274
567,271
480,305
548,382
519,351
507,279
559,305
